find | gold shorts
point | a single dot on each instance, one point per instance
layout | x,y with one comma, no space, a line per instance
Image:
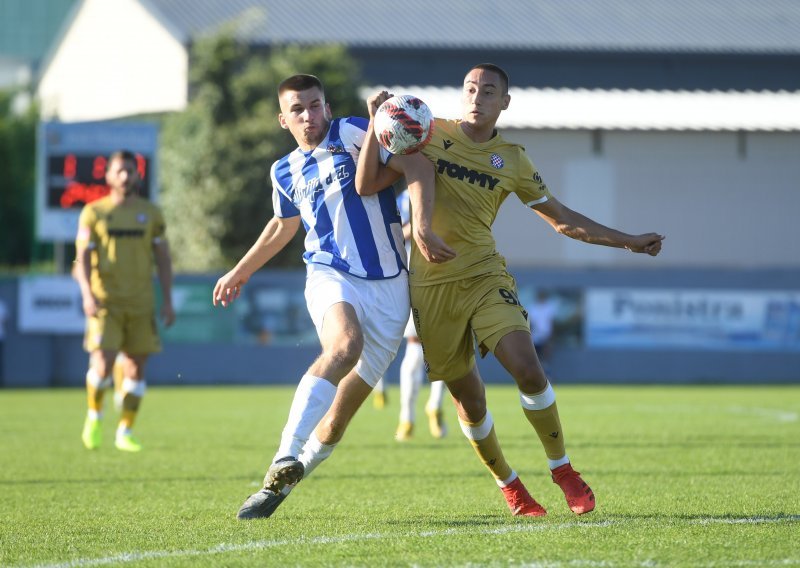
451,317
121,329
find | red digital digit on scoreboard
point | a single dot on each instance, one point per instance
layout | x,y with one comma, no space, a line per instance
74,180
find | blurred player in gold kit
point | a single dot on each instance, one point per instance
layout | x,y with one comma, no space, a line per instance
120,238
473,297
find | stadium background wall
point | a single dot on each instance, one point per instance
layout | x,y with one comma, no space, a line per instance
269,338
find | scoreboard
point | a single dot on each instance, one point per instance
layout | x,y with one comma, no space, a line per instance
76,179
71,169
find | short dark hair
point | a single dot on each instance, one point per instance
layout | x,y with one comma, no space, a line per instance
300,83
494,69
124,155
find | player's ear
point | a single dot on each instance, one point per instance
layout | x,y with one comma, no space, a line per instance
506,101
282,121
328,113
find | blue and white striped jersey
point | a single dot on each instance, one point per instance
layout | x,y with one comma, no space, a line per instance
358,235
404,208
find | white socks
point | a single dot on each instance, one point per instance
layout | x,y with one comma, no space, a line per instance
436,396
312,399
412,373
314,453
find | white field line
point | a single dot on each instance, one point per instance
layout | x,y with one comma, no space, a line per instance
743,520
264,544
769,413
224,548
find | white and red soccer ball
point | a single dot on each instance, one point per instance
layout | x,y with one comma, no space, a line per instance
403,124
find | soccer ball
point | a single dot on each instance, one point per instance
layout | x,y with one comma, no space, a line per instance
403,124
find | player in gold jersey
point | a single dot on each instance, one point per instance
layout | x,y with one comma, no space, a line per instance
472,297
120,237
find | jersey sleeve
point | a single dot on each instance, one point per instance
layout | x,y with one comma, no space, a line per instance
87,236
353,132
531,189
282,206
385,155
404,207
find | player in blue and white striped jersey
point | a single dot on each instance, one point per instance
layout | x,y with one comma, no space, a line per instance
358,235
357,281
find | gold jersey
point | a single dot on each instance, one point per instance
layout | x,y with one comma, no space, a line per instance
472,181
121,239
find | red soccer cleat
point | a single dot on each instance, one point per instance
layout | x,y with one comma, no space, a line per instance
580,497
520,501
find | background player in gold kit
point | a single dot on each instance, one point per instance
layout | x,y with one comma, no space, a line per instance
472,297
120,237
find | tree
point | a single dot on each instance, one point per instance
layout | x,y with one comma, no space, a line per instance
215,156
17,164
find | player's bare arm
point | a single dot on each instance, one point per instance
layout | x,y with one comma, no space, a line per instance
276,235
82,274
421,179
164,270
373,176
579,227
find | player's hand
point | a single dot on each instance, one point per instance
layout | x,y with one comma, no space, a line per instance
90,306
432,247
167,314
649,243
228,288
377,100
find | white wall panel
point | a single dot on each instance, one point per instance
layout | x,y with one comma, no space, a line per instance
115,60
722,201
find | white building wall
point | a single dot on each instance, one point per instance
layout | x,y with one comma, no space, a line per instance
116,59
722,201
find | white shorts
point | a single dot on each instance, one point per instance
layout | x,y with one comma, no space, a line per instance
382,308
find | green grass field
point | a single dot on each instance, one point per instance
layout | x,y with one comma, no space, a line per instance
684,476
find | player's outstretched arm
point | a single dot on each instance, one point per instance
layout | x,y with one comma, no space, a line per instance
580,227
276,235
371,175
421,180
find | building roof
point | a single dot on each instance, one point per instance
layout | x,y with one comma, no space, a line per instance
682,26
27,27
583,109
